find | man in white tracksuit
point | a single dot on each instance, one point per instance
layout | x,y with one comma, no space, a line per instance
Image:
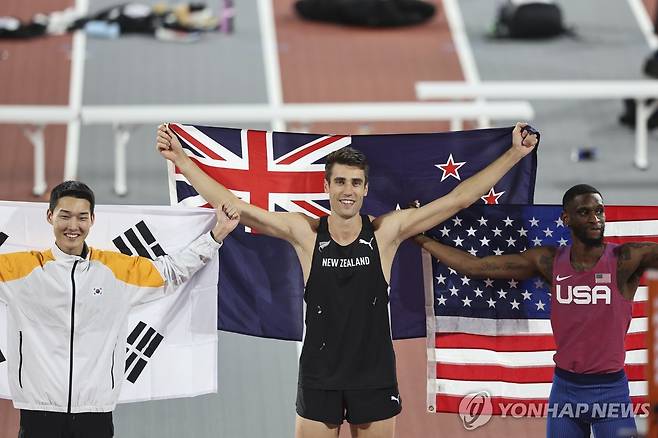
67,313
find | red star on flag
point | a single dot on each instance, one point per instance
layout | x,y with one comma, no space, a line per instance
492,197
450,168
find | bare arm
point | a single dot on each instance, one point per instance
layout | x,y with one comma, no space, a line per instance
634,259
410,222
293,227
527,264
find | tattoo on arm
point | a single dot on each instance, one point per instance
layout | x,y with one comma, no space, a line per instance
546,264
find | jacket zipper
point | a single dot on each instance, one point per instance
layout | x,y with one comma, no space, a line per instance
112,369
20,359
68,410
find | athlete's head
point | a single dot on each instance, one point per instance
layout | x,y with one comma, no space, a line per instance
71,213
583,212
346,181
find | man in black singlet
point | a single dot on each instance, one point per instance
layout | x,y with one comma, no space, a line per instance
347,366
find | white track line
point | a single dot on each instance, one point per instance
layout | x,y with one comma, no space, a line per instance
644,21
271,59
463,47
78,50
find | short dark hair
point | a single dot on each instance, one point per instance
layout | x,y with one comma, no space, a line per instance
347,156
577,190
75,189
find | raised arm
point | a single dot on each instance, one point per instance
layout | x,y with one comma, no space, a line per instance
634,259
292,227
410,222
527,264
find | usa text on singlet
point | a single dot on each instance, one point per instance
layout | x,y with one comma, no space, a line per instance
589,315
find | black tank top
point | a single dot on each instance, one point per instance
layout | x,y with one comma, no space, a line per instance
348,338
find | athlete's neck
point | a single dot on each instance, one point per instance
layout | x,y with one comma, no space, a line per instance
344,231
584,256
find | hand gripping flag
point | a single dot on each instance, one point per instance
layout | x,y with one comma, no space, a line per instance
495,336
260,280
172,336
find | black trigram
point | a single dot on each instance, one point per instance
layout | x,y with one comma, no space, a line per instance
3,238
145,247
142,343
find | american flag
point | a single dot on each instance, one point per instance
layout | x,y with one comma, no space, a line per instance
260,285
495,335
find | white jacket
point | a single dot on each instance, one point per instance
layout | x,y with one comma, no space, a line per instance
67,320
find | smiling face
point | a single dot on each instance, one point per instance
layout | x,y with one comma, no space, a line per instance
585,215
71,220
346,188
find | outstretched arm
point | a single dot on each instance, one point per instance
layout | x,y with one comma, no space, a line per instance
527,264
410,222
634,259
289,226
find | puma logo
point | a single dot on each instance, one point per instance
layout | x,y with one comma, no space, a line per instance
394,398
367,242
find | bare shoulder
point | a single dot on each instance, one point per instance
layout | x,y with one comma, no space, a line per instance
303,228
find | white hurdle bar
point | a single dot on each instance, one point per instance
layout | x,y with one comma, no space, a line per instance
37,117
640,90
123,117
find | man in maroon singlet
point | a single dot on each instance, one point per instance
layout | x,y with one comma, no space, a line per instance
593,285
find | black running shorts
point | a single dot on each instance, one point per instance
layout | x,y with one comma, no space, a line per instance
356,406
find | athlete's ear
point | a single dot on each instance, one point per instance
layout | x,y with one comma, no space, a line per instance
326,186
49,216
365,192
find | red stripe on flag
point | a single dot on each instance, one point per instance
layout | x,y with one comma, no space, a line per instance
297,155
492,373
310,208
187,137
634,341
495,343
630,212
624,239
639,309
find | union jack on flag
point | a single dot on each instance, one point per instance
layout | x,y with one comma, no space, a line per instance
261,286
495,335
271,170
